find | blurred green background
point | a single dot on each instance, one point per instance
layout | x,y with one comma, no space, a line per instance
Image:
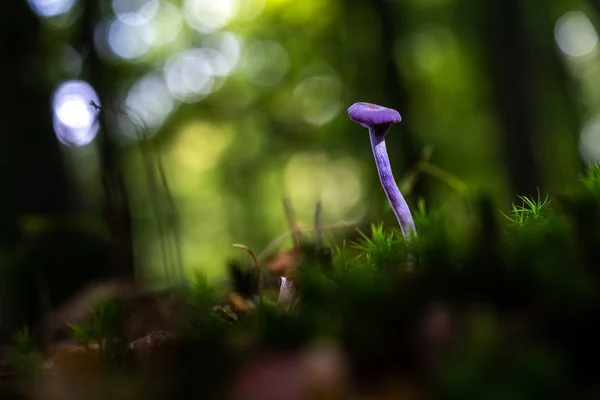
244,102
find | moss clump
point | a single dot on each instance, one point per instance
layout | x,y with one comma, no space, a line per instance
505,307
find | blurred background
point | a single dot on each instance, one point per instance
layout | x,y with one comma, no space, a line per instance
172,129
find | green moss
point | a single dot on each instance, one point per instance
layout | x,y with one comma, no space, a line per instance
518,295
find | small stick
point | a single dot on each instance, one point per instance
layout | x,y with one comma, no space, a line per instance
256,266
318,224
287,290
292,222
275,242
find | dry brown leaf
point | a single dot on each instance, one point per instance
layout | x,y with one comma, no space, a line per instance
284,262
227,311
240,303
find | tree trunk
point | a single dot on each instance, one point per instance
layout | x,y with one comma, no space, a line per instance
507,51
32,175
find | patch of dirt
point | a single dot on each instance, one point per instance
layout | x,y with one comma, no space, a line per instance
148,345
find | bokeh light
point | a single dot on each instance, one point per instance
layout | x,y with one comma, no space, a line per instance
70,60
74,117
249,9
164,52
309,177
126,41
589,140
575,34
228,45
165,27
208,16
150,102
190,75
51,8
318,98
198,149
218,64
429,48
135,12
266,62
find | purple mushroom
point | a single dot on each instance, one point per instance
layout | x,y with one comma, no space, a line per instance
378,120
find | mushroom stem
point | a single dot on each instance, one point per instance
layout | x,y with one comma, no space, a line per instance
377,120
384,169
287,293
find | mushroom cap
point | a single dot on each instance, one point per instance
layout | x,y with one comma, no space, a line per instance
373,114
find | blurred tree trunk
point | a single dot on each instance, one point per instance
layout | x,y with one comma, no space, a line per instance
596,5
116,206
44,268
32,175
559,108
33,178
396,93
371,30
507,50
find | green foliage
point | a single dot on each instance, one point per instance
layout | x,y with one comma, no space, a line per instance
506,308
243,280
202,298
530,211
201,295
423,217
346,260
539,276
382,248
24,354
104,329
591,179
481,367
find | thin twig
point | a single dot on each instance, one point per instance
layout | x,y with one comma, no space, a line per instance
168,242
444,176
153,189
318,224
411,176
292,222
172,215
256,266
275,242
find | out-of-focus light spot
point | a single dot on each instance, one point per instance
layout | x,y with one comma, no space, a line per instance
135,12
227,44
575,34
74,113
266,63
165,27
429,46
101,39
208,16
218,64
51,8
126,41
273,4
70,60
310,177
249,9
315,13
74,118
150,102
318,98
198,148
589,141
190,75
